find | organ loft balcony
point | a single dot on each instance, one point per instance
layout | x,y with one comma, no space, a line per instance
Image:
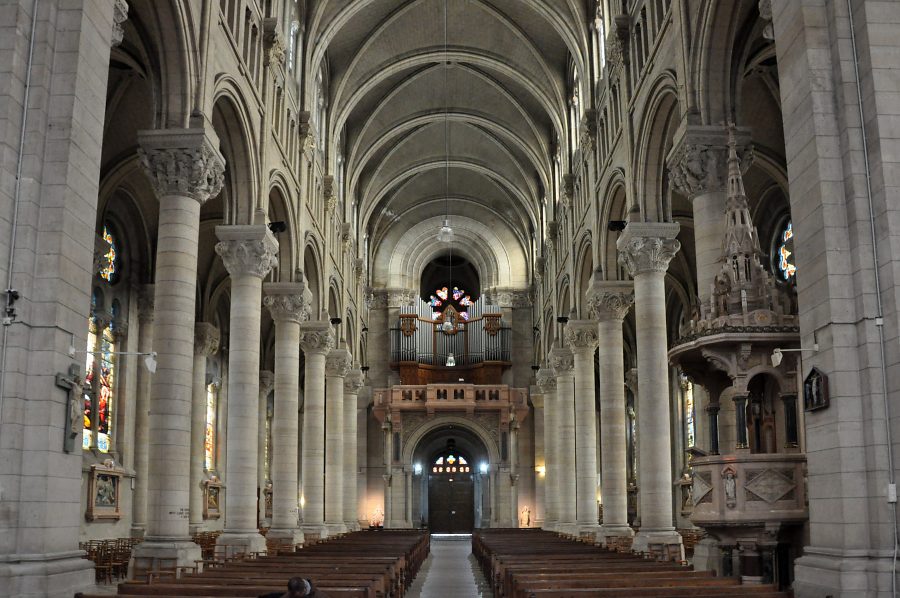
436,399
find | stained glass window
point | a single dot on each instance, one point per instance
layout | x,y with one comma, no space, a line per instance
100,383
690,426
109,264
209,441
784,253
451,463
457,298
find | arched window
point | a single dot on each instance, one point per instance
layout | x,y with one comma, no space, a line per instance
100,379
210,437
783,252
109,261
451,462
105,331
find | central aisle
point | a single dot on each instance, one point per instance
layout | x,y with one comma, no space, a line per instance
450,571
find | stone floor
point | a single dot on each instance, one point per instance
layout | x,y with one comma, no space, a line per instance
450,571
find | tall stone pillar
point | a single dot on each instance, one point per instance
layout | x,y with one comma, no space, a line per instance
337,364
563,363
266,384
353,381
185,169
316,340
646,249
206,344
142,414
698,169
546,382
289,304
581,337
249,253
609,303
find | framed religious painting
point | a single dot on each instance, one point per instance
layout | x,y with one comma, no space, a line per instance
104,489
212,498
815,390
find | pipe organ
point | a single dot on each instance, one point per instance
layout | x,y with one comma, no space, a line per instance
441,337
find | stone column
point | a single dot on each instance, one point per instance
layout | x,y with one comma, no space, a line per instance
609,303
206,344
352,383
142,414
563,362
249,253
185,169
316,340
337,364
289,304
646,249
698,168
266,384
582,338
546,381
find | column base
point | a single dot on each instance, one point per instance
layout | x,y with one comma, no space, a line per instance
352,526
161,554
568,529
314,533
138,531
708,556
612,535
57,575
241,542
666,543
830,572
550,526
286,537
588,531
335,529
196,528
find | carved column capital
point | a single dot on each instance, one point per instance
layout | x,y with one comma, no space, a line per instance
288,301
588,131
392,297
206,339
182,162
266,382
610,300
353,381
276,47
582,335
546,380
512,298
338,362
120,15
698,162
648,246
316,337
247,249
568,191
562,360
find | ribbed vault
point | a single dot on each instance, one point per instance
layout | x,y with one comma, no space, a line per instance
394,95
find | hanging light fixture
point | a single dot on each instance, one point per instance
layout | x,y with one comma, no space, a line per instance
451,361
445,235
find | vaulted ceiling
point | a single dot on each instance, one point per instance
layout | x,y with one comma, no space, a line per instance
496,97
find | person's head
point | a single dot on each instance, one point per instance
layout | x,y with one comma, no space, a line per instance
297,587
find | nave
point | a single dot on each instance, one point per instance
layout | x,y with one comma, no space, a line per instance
500,563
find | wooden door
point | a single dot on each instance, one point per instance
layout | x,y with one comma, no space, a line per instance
451,504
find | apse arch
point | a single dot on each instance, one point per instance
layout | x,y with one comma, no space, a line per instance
498,264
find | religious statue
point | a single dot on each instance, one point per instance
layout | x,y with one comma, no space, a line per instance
730,481
525,517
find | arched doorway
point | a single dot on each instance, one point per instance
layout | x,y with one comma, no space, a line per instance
452,490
